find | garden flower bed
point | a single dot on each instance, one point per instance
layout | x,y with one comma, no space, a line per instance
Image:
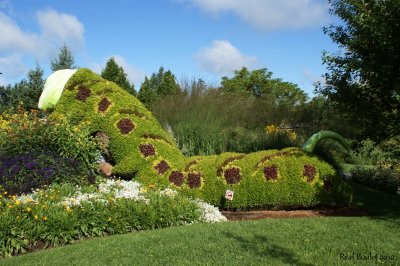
63,214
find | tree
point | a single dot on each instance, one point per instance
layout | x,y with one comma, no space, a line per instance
113,72
363,78
285,97
65,60
25,93
34,88
159,85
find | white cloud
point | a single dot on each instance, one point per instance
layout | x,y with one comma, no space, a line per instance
223,58
271,14
55,29
12,67
14,39
61,27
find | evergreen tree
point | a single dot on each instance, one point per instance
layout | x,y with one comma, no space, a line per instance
65,60
113,72
159,85
25,93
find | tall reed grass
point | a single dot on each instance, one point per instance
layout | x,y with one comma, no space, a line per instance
205,121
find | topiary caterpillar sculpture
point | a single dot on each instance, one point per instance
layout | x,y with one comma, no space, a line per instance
140,148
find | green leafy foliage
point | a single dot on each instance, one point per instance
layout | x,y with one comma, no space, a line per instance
381,178
363,77
113,72
36,151
259,83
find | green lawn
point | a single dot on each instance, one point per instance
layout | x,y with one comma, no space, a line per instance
296,241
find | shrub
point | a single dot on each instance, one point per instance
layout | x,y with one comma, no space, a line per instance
26,132
380,178
367,152
22,173
36,151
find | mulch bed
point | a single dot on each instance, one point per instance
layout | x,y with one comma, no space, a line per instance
263,214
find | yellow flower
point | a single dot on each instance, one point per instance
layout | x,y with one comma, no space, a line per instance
28,209
35,217
271,129
109,219
292,135
17,202
44,218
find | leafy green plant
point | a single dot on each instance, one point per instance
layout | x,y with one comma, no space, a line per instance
380,178
26,132
367,152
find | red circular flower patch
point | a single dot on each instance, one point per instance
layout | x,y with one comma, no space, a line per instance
162,167
125,125
309,171
271,172
104,104
147,149
194,180
82,94
232,175
176,177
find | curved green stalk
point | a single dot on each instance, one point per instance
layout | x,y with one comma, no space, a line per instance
325,134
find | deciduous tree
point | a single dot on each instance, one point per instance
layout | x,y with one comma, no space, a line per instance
363,77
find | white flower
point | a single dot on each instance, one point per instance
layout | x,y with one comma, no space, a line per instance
169,192
210,214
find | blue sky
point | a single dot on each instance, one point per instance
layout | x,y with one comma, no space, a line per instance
204,39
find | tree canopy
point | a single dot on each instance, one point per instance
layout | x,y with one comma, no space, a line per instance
113,72
363,78
25,93
65,60
260,84
159,85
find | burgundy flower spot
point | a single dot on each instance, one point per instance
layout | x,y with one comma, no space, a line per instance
176,177
194,180
83,93
103,104
125,125
147,149
162,167
232,175
309,171
271,172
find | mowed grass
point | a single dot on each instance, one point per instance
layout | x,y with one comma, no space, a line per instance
369,240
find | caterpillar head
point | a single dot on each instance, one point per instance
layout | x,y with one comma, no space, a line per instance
54,87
